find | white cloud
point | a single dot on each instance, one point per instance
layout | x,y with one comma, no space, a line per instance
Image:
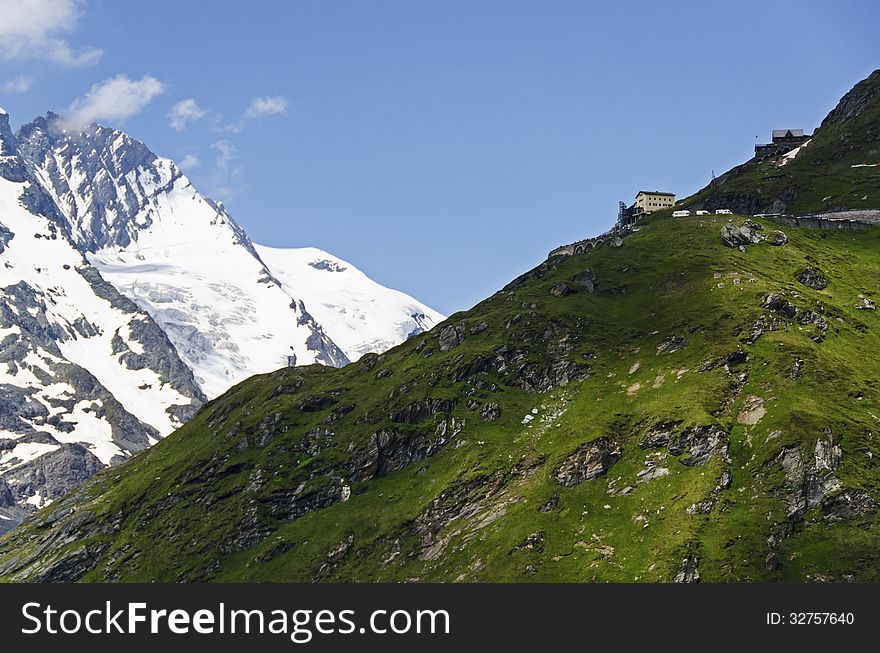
189,162
33,29
114,99
266,106
226,176
260,106
20,84
183,113
226,152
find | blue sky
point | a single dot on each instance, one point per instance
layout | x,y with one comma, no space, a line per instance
442,147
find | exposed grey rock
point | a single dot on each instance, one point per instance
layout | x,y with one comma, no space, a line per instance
71,566
451,336
550,504
651,471
734,236
808,483
778,304
828,454
735,358
849,503
854,102
561,289
289,387
328,353
689,573
288,504
811,317
392,449
778,239
341,549
534,377
459,501
533,542
865,304
671,344
7,499
5,237
701,507
338,413
589,461
317,403
759,328
25,307
812,278
52,475
421,410
586,278
659,435
699,442
315,441
11,166
491,412
160,356
537,272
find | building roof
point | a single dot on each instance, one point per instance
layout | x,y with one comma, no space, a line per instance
782,133
654,192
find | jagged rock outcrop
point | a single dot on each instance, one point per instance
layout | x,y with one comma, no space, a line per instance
734,236
586,279
812,278
421,410
590,461
778,304
700,443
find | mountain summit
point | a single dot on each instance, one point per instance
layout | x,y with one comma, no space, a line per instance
695,400
118,322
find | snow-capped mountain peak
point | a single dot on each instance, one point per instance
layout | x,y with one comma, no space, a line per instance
127,298
86,378
158,240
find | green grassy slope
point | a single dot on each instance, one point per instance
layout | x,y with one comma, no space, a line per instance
820,176
237,493
636,413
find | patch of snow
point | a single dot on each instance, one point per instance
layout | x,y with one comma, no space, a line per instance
37,500
789,156
22,453
358,314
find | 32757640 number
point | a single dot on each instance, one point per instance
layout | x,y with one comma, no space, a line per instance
811,618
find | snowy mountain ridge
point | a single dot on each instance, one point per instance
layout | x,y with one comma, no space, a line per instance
117,273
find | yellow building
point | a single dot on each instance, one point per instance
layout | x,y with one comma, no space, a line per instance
648,201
